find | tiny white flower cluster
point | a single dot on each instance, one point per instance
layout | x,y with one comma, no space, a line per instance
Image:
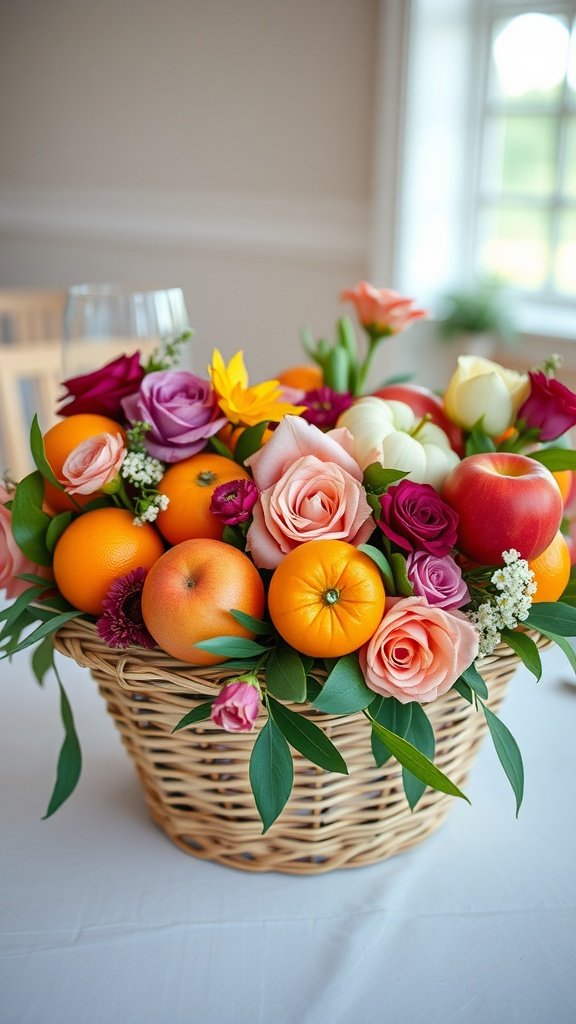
511,605
149,507
142,470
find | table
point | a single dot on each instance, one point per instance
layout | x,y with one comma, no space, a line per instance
104,920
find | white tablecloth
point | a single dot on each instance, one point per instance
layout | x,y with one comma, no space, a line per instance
104,920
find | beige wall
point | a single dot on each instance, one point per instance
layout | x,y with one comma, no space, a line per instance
221,145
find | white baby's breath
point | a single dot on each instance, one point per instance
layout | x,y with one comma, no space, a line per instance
515,588
142,470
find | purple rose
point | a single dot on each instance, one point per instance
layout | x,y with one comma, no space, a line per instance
416,518
236,706
103,391
181,409
233,502
324,406
439,580
550,406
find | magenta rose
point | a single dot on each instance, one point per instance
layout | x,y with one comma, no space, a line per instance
102,392
439,580
417,652
13,561
550,406
310,489
416,518
236,706
182,412
233,502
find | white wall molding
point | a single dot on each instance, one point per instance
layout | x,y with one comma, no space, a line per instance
325,229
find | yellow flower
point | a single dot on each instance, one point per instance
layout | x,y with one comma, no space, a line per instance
242,404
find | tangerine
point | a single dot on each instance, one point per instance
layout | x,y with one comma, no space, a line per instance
189,592
305,378
189,486
551,570
62,439
96,549
326,598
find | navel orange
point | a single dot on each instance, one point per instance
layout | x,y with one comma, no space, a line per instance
189,485
551,570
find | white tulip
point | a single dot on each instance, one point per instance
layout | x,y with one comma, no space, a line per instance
481,390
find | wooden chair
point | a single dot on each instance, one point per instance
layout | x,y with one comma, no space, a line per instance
30,370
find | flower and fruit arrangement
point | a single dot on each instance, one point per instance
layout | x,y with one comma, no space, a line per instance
321,545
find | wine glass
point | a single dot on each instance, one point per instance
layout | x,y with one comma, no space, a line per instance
104,321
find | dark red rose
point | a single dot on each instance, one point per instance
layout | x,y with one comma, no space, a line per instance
550,406
415,517
102,391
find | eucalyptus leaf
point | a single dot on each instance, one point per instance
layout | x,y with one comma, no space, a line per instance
524,646
554,617
393,715
409,757
475,681
231,647
421,734
286,675
271,773
198,714
307,738
345,690
42,659
563,644
464,690
50,625
70,759
508,754
29,521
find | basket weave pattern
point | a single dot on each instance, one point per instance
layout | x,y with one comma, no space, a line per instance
196,780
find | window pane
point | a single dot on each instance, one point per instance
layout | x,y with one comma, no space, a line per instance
529,57
570,165
565,262
520,154
515,245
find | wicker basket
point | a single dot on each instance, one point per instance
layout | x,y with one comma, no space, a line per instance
196,780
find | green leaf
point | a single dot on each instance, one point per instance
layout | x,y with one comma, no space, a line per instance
286,675
563,644
50,625
336,369
69,761
313,689
27,597
555,458
524,646
554,616
257,626
479,441
250,441
421,734
464,690
383,564
199,714
29,522
39,456
42,659
56,528
376,479
402,585
411,758
220,447
307,738
231,646
475,681
344,691
271,773
232,535
508,754
393,715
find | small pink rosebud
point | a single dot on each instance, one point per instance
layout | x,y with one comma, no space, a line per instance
94,464
236,706
380,310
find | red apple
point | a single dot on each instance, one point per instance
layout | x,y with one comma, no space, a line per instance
422,401
504,500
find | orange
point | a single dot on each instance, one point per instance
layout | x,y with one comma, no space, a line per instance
551,570
563,478
189,592
62,439
326,598
190,485
98,547
306,378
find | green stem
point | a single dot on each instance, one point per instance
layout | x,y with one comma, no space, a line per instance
365,366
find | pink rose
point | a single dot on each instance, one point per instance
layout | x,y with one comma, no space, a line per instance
380,310
103,390
12,560
182,411
93,463
439,580
310,489
418,652
236,706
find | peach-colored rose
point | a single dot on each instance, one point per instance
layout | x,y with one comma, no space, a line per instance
310,489
417,652
381,309
13,561
93,463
